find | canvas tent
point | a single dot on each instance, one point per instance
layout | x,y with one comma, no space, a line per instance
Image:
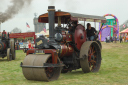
43,33
124,33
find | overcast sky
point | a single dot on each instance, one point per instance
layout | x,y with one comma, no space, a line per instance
91,7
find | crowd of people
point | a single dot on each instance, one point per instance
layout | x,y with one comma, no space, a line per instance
28,45
109,39
121,39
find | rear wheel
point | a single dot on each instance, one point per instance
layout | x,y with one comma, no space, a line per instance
90,55
99,43
9,56
12,45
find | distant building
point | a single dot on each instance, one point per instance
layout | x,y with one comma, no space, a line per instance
38,26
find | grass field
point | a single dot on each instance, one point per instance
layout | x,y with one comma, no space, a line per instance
113,71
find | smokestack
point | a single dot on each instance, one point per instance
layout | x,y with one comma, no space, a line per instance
51,19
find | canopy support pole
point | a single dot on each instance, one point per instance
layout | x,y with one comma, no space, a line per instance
95,24
84,23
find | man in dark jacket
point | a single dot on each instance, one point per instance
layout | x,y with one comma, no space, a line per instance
73,26
4,35
91,32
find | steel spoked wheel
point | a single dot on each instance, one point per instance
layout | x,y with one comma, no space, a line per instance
50,71
99,43
90,55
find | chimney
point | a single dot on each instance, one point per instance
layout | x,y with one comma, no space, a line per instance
51,20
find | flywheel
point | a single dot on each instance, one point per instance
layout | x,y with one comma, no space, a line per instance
79,37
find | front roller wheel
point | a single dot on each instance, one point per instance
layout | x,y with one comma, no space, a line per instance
40,74
90,55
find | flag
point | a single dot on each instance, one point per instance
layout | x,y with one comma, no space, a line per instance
123,25
44,29
27,25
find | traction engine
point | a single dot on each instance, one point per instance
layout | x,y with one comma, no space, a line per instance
66,49
7,48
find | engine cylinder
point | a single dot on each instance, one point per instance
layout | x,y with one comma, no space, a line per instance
66,50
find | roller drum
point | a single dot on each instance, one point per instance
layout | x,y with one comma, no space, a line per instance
39,74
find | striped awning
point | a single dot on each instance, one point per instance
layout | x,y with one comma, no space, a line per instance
124,31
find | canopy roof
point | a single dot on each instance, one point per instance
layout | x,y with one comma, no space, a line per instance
43,33
22,35
124,31
65,16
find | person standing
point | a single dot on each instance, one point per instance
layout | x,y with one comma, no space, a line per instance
73,26
112,39
17,44
32,46
123,39
120,39
4,34
115,38
108,38
29,44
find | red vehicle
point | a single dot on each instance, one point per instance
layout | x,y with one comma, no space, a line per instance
66,49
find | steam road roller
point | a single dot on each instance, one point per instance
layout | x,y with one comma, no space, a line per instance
7,47
66,49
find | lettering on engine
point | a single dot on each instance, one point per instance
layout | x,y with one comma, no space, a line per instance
40,42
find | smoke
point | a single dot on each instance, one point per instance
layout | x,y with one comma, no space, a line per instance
72,5
69,5
52,2
12,10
